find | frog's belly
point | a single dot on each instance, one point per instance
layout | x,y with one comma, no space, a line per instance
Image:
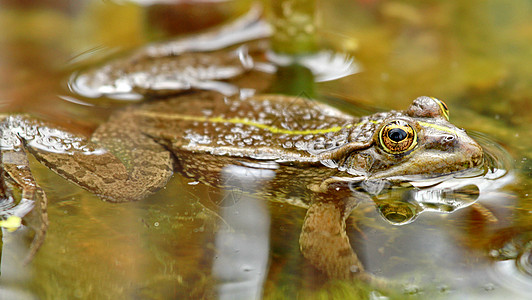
286,182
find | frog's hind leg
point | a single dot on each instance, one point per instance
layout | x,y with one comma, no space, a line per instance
16,170
128,168
118,164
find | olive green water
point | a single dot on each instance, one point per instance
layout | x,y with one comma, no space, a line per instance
475,55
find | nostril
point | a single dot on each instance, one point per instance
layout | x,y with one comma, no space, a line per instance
447,139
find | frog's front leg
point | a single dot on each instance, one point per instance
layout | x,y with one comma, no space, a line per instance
324,241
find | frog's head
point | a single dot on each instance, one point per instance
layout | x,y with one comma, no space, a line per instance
419,141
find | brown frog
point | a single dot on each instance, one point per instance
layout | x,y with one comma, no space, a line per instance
313,148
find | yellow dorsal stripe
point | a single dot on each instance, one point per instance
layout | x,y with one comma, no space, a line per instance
274,129
244,121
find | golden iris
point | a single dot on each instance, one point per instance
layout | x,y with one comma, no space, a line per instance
397,137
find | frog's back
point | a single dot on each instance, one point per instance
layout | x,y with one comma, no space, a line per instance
266,127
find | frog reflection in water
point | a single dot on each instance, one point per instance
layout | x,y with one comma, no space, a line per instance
137,150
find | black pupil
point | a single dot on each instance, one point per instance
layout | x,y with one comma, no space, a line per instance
397,134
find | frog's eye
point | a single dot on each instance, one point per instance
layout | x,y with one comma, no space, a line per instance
443,107
397,137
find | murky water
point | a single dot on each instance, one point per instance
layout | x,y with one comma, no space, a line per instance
471,239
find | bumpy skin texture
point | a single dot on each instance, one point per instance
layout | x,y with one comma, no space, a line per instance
311,147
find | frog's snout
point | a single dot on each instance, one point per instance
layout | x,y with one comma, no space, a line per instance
467,152
472,151
444,142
